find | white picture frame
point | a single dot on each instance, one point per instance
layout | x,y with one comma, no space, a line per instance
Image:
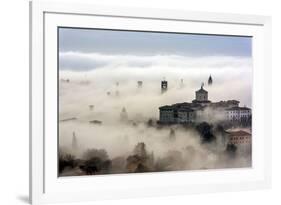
46,187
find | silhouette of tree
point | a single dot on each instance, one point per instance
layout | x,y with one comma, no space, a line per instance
66,160
150,123
92,153
140,161
172,134
205,131
231,149
96,165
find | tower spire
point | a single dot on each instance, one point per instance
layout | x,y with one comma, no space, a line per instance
210,80
181,83
74,141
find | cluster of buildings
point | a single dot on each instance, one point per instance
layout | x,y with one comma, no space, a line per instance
202,109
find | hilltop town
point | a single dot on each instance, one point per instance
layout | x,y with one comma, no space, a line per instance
202,109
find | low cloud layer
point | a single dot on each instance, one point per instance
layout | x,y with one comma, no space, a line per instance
77,61
109,84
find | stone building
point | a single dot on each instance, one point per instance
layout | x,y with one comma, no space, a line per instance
177,113
201,96
241,139
238,113
202,109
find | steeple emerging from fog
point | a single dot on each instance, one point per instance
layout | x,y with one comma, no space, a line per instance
201,95
139,84
181,83
117,90
210,80
124,115
164,86
74,141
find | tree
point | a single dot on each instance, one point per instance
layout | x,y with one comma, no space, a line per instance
172,134
205,131
141,168
140,149
96,161
231,149
99,153
150,122
220,129
66,160
96,165
140,161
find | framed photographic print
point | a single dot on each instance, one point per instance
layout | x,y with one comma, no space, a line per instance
129,102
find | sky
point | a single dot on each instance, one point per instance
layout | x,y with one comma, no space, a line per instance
76,45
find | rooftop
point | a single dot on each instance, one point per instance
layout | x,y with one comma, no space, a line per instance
180,106
238,133
201,101
166,107
201,90
186,109
239,108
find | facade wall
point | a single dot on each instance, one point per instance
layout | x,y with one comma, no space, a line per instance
191,116
186,116
183,117
200,96
242,142
240,139
174,116
237,115
167,116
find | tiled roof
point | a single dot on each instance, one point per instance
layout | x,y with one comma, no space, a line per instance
197,105
226,102
239,108
166,107
238,133
178,106
185,109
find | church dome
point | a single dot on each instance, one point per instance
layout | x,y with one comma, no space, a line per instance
201,90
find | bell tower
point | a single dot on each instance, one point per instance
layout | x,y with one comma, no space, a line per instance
164,86
201,95
210,80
